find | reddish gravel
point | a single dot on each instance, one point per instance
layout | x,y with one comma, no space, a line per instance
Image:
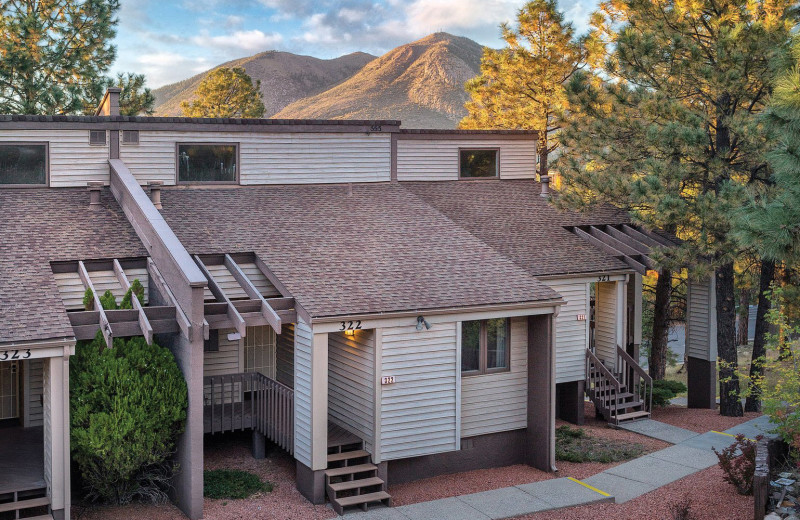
699,420
711,499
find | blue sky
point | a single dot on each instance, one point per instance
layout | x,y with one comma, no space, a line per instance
173,40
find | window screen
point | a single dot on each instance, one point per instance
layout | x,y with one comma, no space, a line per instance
97,137
496,343
470,346
207,163
130,137
478,163
23,164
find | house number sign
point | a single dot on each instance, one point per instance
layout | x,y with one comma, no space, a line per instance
387,380
10,355
581,317
350,325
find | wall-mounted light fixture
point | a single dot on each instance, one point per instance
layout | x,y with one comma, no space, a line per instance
422,322
349,332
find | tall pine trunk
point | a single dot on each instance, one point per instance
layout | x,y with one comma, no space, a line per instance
729,401
753,402
743,330
658,346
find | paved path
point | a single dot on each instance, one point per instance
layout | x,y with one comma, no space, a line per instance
691,453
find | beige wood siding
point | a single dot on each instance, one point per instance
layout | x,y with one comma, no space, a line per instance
351,383
418,411
700,320
606,322
71,289
226,359
73,162
303,340
437,159
493,403
284,356
36,386
271,158
571,335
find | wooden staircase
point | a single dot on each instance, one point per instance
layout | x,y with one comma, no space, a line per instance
352,479
620,396
28,504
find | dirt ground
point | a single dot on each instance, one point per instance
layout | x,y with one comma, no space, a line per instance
712,498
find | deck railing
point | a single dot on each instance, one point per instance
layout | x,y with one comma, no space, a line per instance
249,401
635,378
601,384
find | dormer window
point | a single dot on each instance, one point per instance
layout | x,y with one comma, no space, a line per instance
208,163
23,164
478,163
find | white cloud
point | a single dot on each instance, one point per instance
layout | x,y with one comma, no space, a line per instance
253,40
162,68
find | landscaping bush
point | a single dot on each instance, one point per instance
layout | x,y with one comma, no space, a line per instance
226,483
128,404
664,390
574,445
738,461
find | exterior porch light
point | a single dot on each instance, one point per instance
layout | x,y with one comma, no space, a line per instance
422,322
349,332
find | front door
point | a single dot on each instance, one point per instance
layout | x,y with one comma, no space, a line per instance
9,390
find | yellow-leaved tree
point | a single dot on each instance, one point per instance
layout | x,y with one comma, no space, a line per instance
521,86
226,92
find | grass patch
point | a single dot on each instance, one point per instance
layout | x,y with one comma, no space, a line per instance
228,483
575,445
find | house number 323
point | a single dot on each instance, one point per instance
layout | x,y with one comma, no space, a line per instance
15,354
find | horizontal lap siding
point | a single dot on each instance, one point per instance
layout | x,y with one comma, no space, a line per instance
698,319
437,160
351,387
571,334
71,288
493,403
605,322
302,393
271,158
73,162
36,385
226,359
418,412
284,355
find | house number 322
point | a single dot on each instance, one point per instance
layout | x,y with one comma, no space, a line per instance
14,354
351,325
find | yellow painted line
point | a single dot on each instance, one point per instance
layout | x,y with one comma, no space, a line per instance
730,435
584,484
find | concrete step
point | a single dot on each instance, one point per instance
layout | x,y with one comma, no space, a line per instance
347,455
24,504
350,470
349,485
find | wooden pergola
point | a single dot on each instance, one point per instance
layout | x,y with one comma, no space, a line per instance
628,243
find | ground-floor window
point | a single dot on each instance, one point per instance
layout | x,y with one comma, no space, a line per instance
485,346
259,351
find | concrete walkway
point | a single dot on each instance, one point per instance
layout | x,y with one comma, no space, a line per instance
692,452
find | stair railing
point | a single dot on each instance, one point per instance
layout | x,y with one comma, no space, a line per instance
635,378
600,383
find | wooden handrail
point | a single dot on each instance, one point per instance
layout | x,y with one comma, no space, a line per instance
641,383
634,365
604,384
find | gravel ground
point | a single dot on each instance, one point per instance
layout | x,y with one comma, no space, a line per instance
711,498
698,420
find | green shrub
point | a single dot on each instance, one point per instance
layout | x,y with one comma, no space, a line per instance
664,390
88,300
574,445
135,288
226,483
128,404
108,301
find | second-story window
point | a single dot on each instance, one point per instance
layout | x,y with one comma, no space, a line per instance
477,163
23,164
208,163
485,346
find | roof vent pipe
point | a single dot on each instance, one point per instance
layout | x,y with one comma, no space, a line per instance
155,193
94,193
545,180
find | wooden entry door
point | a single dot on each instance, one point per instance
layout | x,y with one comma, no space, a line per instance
9,390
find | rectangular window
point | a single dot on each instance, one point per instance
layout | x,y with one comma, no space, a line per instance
485,346
97,137
477,163
23,164
130,137
207,163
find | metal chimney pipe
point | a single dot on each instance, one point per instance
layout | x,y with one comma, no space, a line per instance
155,193
545,180
95,188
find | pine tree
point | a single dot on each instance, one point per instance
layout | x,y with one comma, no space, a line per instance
52,52
522,85
226,93
674,136
135,98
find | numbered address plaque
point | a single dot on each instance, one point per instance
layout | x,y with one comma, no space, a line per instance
24,354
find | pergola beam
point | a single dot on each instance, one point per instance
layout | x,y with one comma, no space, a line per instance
266,310
646,237
105,327
267,272
233,314
611,250
144,323
158,279
641,247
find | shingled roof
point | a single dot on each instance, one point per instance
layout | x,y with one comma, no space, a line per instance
344,250
513,218
40,226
